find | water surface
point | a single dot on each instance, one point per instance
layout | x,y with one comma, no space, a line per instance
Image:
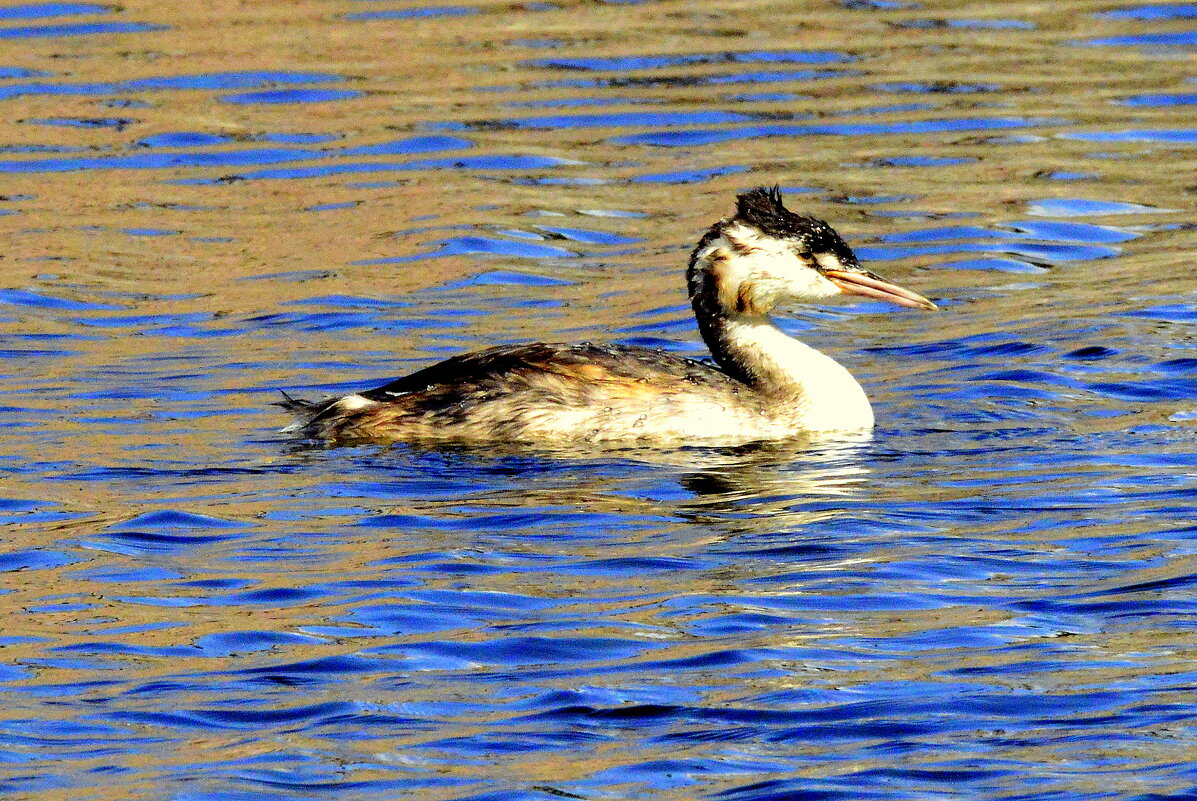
991,598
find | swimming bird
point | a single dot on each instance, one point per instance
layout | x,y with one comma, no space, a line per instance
764,385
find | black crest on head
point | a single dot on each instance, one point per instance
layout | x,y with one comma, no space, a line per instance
762,209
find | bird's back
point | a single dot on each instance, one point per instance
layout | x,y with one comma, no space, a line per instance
549,391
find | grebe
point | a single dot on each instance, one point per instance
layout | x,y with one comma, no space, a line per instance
767,385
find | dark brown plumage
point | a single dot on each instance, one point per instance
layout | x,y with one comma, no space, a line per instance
511,379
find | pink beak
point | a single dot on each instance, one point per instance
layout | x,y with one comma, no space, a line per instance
862,282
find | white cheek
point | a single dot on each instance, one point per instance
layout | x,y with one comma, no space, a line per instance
775,272
808,283
779,274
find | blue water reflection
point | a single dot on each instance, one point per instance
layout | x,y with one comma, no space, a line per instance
80,29
413,13
251,156
1177,39
277,96
1174,136
37,10
211,81
1153,11
711,137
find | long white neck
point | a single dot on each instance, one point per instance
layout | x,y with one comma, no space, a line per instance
823,394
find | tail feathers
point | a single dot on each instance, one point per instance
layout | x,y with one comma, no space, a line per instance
306,412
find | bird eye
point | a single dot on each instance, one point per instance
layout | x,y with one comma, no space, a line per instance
806,255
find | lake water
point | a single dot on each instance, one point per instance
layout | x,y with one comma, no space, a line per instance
204,203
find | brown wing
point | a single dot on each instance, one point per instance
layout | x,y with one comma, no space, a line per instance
508,368
511,390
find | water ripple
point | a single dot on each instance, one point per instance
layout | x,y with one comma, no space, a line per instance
991,597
